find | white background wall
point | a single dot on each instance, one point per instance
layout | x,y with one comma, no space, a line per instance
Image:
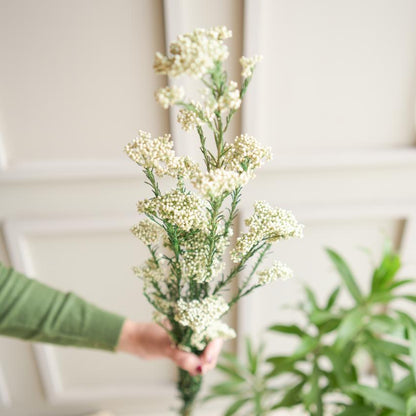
335,98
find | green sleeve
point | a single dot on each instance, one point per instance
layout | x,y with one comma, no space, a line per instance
33,311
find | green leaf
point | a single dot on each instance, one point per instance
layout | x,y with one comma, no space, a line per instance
307,344
228,388
384,274
291,398
383,324
235,407
390,348
357,410
332,298
346,275
311,297
313,396
230,371
411,329
411,406
351,324
383,370
318,317
405,385
402,282
380,397
287,329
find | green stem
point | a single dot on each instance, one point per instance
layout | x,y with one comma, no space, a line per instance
188,387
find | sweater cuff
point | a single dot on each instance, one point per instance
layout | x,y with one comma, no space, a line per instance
104,328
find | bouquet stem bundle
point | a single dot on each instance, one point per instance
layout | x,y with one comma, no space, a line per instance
187,229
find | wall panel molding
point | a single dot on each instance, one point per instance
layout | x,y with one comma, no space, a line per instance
330,159
15,233
5,399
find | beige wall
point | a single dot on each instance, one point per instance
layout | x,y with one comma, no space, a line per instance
335,98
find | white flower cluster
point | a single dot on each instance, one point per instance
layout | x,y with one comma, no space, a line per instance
187,211
269,224
194,53
217,329
168,96
246,153
195,115
217,181
248,64
150,272
147,231
158,154
278,270
200,314
195,257
230,100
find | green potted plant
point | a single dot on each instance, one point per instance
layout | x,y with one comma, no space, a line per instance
355,361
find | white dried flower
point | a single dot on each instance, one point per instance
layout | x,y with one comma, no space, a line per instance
266,224
147,231
150,271
200,314
248,64
217,181
230,100
217,329
188,119
194,53
185,210
168,96
195,261
279,270
245,153
158,154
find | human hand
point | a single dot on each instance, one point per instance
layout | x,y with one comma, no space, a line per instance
149,341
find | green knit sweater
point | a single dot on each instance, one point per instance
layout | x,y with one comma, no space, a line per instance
33,311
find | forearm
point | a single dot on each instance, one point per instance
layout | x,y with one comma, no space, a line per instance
33,311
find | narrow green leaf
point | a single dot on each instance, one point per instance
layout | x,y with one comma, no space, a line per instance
357,410
332,298
380,397
388,348
311,297
383,371
230,371
411,406
349,328
384,274
307,344
291,398
287,329
346,275
235,407
411,329
405,385
318,317
228,388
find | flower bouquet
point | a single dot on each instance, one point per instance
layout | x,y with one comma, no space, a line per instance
187,229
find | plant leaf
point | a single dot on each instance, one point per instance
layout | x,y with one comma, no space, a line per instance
287,329
237,405
380,397
411,406
332,298
351,324
411,329
346,275
357,410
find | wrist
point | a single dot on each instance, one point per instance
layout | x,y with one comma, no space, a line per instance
129,339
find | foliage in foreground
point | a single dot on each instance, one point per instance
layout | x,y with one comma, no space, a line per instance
358,361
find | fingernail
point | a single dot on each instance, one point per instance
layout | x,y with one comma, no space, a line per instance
199,369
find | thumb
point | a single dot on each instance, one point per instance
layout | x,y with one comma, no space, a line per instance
211,353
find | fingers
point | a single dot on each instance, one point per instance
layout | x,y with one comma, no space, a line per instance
211,354
187,361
